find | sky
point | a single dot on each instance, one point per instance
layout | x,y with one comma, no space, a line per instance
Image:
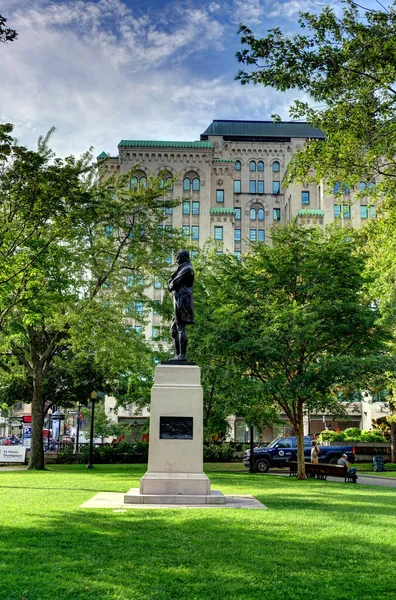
105,70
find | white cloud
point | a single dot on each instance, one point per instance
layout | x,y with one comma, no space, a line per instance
100,73
248,12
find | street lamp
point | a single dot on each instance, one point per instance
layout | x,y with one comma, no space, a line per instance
94,395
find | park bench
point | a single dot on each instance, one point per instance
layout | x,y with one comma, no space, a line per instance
322,471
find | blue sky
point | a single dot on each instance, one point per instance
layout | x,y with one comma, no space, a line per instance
103,70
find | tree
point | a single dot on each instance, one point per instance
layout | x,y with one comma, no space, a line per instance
296,318
84,269
347,66
227,387
6,33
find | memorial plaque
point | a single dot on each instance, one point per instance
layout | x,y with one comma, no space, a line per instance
176,428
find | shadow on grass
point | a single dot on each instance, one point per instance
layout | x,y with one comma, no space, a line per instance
301,549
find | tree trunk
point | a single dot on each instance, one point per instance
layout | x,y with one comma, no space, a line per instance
298,426
393,442
36,460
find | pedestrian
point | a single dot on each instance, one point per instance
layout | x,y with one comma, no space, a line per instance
343,461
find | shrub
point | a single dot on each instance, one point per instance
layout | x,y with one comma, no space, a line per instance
120,453
218,452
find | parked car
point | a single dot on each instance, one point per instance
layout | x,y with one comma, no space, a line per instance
280,451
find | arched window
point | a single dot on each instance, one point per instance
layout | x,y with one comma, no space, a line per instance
195,184
260,165
169,183
362,186
276,167
142,183
252,165
252,214
260,214
237,165
186,184
371,184
133,183
337,187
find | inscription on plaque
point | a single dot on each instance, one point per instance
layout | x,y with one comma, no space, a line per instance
176,428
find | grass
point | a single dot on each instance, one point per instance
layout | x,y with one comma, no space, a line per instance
318,540
367,469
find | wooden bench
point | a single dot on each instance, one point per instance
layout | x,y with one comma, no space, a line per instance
322,471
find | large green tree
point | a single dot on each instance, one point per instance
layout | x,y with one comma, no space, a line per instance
295,317
345,62
78,276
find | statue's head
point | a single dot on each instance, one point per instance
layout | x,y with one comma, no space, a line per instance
182,256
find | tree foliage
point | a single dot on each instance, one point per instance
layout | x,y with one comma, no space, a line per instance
294,316
6,33
78,255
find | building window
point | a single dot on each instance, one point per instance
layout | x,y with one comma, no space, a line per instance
371,212
219,252
346,211
276,214
139,308
138,328
253,214
237,235
237,165
260,214
133,183
362,186
219,195
169,183
346,189
237,253
157,284
363,212
195,207
276,167
260,235
186,231
260,187
337,187
169,210
196,184
275,187
218,233
156,333
186,208
260,165
195,232
371,185
237,186
337,210
186,184
304,197
252,165
252,186
142,183
253,235
237,212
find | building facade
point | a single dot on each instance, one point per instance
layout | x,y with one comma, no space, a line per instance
231,182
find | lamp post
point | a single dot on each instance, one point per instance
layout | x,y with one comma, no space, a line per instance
93,398
49,414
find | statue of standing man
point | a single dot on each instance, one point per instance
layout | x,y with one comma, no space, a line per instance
180,285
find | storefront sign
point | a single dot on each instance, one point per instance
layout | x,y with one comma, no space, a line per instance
14,454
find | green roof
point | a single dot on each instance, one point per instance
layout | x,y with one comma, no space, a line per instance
262,129
311,212
226,160
221,211
165,144
102,155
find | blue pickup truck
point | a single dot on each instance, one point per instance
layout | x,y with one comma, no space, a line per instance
283,449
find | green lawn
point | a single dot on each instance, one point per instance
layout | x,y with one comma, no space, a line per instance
367,469
318,540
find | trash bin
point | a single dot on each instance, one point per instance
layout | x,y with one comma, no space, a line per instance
378,463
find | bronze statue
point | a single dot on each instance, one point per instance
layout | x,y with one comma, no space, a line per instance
180,285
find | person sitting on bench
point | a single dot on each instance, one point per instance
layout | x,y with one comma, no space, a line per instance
343,461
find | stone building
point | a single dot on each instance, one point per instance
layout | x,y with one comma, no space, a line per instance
231,182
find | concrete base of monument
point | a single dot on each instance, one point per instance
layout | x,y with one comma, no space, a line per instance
134,496
175,484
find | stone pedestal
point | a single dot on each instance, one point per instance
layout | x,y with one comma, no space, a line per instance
175,465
